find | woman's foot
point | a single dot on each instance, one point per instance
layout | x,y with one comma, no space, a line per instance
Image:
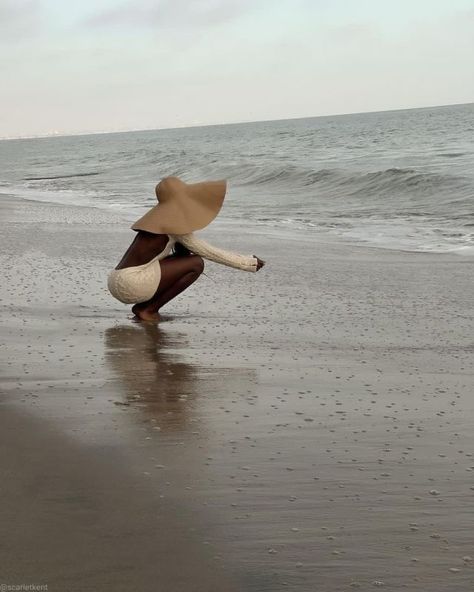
144,314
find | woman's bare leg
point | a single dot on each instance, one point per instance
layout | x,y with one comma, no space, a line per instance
177,274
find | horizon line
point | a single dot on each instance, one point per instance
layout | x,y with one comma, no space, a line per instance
203,125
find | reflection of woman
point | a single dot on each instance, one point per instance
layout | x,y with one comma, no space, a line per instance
138,357
148,275
155,380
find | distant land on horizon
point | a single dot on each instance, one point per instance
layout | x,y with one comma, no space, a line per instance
57,134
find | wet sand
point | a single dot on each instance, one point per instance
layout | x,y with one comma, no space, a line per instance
305,428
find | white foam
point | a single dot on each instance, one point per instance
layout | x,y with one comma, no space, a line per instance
68,197
400,234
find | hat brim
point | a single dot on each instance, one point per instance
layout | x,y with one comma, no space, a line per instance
183,207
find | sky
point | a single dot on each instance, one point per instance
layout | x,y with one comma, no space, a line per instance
112,65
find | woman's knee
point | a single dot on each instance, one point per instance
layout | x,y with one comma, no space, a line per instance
197,264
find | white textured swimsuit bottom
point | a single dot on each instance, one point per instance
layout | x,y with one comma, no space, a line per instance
131,285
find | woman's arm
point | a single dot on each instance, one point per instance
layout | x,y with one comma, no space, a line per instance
207,251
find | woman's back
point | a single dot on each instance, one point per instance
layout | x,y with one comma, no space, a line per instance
145,247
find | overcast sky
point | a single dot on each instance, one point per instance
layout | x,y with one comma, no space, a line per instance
99,65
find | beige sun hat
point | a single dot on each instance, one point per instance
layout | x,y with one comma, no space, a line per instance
183,207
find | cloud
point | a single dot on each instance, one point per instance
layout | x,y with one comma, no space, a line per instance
19,18
194,13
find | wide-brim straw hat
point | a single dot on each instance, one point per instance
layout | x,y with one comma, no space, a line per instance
183,207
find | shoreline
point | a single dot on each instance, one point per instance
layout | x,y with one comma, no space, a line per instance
309,427
125,218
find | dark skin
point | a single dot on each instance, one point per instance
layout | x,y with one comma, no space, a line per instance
178,271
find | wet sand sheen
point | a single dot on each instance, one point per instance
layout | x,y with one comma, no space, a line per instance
312,433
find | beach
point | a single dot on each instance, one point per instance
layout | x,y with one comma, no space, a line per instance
305,428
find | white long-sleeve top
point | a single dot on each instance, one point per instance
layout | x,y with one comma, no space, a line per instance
206,251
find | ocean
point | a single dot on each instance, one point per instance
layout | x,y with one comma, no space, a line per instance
395,179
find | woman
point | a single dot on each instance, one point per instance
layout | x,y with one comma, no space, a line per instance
149,275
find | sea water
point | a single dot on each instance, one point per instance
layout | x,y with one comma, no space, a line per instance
395,179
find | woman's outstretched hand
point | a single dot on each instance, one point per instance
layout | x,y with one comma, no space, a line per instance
260,262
